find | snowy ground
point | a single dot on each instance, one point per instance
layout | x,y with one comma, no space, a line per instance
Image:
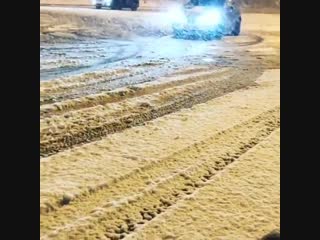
143,136
76,41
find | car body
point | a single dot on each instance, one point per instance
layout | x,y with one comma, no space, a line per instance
118,4
208,19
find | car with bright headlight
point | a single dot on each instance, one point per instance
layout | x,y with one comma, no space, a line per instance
207,20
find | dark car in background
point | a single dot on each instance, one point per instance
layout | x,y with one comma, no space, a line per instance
118,4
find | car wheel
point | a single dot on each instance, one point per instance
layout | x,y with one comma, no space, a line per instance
237,27
134,5
134,8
